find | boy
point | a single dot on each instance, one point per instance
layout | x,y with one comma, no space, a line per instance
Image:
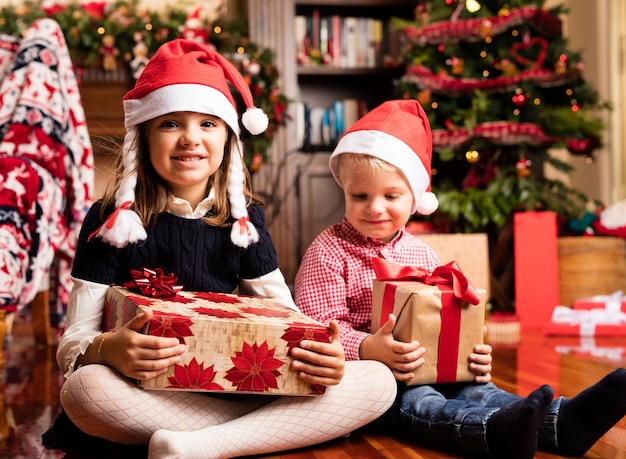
383,166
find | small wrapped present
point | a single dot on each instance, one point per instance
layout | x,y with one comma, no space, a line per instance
614,302
442,310
235,343
586,322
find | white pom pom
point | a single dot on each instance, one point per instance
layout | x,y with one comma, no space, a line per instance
427,204
243,236
255,120
126,228
614,216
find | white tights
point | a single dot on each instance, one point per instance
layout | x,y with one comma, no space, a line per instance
192,425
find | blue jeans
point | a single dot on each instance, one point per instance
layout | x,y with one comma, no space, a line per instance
455,415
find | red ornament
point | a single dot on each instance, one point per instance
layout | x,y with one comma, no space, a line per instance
538,43
523,167
519,99
582,146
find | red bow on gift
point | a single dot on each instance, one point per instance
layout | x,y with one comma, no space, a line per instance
154,283
446,275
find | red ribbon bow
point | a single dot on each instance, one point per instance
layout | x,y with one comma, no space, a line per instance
444,277
154,283
448,275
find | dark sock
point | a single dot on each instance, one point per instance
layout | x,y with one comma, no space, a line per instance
512,431
589,415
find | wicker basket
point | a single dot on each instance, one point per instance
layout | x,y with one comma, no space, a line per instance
591,266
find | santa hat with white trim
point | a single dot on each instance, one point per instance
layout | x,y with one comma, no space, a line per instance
184,75
398,132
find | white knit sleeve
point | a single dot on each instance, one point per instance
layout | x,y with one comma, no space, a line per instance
83,322
271,285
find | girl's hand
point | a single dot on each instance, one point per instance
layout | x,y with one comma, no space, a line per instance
480,363
320,363
401,358
137,355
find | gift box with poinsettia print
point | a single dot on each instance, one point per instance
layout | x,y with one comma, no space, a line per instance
235,343
442,310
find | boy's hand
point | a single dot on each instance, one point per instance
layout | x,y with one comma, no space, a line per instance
401,358
480,363
320,363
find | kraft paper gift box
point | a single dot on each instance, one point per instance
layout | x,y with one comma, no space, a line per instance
448,326
235,343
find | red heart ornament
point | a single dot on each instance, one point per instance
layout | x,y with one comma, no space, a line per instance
517,48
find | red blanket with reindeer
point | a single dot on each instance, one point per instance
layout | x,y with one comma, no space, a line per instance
46,166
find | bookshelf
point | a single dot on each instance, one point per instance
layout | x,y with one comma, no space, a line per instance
301,195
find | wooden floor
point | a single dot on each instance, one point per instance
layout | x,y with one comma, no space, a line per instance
29,397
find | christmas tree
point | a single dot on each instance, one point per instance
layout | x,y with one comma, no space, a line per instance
501,89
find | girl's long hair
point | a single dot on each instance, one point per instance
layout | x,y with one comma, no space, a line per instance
149,197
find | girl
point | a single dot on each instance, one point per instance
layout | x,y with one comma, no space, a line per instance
181,202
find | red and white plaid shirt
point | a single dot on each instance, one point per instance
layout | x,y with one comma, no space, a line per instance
335,278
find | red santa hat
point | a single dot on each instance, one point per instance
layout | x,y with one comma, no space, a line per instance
398,132
184,75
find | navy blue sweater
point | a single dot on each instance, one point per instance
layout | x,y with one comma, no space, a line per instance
202,257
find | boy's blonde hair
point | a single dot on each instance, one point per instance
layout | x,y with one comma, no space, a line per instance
356,161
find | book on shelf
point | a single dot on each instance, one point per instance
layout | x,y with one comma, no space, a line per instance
345,42
300,30
349,44
319,128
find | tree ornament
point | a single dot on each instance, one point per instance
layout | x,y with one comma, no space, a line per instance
519,99
486,29
456,66
257,162
473,6
582,146
538,45
109,53
472,156
504,11
424,97
523,167
507,67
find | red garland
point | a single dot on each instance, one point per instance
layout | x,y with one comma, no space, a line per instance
155,283
443,83
506,133
496,132
473,29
